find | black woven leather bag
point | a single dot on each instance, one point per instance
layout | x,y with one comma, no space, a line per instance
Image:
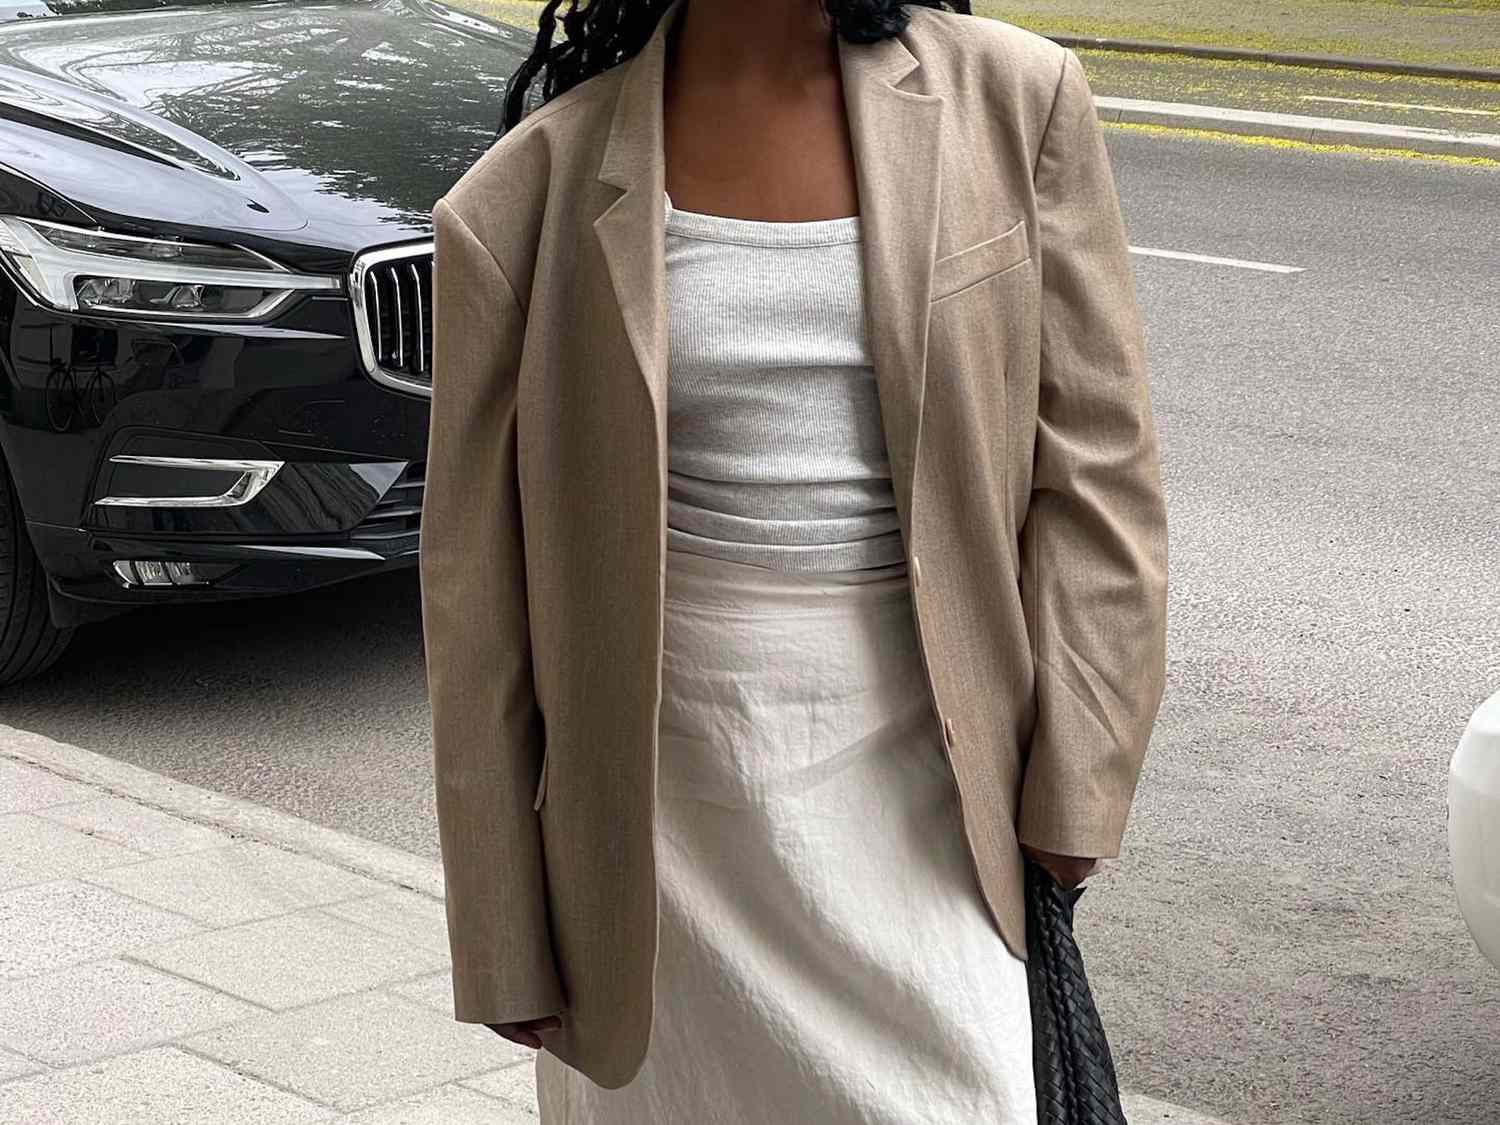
1075,1076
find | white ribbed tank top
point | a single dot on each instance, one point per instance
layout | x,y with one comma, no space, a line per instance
776,452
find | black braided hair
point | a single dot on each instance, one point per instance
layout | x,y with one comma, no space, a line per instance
601,33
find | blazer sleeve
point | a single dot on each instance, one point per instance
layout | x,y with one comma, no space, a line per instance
487,734
1093,547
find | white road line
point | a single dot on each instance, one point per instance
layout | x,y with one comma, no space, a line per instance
1400,105
1269,267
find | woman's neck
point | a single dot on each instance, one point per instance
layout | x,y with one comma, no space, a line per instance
775,45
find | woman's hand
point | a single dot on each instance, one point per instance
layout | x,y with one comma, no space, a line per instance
524,1032
1068,870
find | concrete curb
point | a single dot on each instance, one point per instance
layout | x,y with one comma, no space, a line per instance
203,806
1298,127
1284,58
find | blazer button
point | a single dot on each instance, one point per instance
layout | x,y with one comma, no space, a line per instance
916,571
950,731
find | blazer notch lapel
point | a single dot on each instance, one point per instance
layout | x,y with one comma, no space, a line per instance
896,137
632,228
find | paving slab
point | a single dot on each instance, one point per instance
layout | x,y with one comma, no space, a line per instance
232,814
242,882
13,1065
50,926
291,960
399,913
135,826
435,990
354,1051
162,1086
446,1105
35,850
24,787
514,1085
104,1008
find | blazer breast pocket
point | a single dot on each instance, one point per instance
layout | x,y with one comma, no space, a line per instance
956,272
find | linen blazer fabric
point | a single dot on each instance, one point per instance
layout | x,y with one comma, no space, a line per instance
1007,347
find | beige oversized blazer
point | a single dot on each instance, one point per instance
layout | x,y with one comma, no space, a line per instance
1009,357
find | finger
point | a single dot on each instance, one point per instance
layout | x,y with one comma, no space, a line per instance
1082,874
1068,875
513,1034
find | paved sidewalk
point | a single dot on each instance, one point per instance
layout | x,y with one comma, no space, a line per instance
169,954
158,968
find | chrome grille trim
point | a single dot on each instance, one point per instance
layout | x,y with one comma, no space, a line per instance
392,314
416,282
400,322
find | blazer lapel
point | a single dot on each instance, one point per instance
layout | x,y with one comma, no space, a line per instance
632,228
895,135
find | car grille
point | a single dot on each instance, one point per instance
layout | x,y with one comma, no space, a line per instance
392,291
398,513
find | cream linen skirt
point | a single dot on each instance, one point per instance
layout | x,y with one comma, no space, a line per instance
825,956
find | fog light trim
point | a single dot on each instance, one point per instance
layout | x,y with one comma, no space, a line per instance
254,476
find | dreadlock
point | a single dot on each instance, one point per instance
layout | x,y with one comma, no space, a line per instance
601,33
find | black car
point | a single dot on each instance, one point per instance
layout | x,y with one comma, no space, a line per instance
215,293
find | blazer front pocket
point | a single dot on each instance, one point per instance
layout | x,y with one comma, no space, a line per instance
541,785
955,272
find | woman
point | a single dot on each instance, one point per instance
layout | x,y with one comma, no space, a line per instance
793,556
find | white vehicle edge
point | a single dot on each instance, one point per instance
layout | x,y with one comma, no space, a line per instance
1474,825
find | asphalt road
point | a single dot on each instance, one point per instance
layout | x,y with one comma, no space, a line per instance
1280,942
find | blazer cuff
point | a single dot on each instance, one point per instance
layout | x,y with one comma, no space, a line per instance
480,996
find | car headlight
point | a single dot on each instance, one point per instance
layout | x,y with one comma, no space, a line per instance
92,271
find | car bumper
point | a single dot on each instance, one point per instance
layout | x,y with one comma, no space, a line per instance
266,456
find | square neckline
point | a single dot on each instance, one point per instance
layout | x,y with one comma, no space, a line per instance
759,232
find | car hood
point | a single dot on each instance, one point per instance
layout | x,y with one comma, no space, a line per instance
343,120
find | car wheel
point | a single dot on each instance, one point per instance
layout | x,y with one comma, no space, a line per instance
29,642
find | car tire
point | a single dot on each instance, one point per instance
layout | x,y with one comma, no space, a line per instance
29,642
